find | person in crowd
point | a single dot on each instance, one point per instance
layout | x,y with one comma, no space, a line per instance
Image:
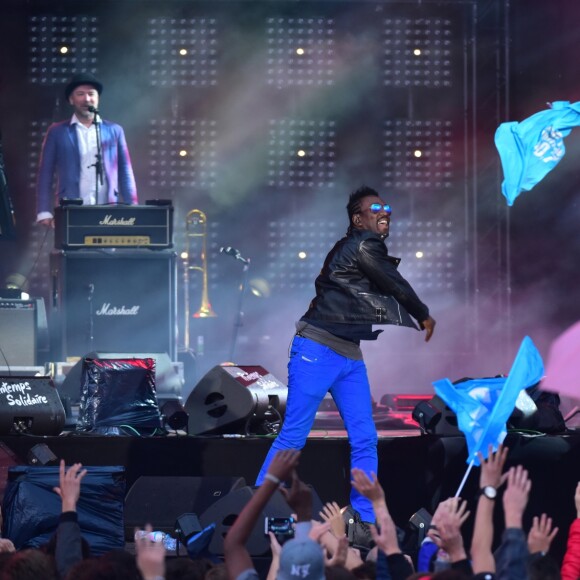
359,286
88,156
571,563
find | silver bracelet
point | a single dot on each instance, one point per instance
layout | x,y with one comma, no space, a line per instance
272,478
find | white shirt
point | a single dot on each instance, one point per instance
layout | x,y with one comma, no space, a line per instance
87,139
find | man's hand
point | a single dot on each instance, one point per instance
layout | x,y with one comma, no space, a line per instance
368,487
541,535
332,514
515,497
299,498
150,555
69,488
449,521
284,463
492,467
429,326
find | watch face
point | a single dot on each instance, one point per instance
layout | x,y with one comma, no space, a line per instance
489,492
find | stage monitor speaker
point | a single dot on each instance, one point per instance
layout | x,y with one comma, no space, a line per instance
168,383
18,329
160,500
30,406
228,397
225,511
114,301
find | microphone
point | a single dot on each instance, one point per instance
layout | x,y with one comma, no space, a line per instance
234,253
93,110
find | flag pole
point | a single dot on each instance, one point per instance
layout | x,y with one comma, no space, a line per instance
462,484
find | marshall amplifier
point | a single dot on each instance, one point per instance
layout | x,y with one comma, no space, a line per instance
18,332
114,301
113,226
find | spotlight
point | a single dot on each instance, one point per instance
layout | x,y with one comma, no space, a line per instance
427,415
260,287
174,416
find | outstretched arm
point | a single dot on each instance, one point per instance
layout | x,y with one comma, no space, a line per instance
512,554
481,543
68,550
236,555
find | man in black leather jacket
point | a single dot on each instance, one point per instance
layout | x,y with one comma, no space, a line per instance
359,286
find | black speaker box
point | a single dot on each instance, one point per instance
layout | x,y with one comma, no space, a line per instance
160,500
18,332
114,300
228,396
30,405
225,511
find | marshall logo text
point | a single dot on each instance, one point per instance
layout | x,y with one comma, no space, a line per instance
107,310
109,220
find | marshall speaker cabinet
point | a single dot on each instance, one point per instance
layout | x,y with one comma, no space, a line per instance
114,300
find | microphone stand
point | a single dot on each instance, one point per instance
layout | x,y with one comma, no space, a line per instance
98,165
91,318
240,315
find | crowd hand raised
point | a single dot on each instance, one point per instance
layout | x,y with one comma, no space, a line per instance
515,497
284,463
492,467
332,514
451,518
69,488
541,534
150,555
299,498
433,531
368,487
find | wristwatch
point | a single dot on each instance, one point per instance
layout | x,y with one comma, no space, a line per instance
488,491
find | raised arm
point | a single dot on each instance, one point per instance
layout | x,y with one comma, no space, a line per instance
490,479
236,555
512,555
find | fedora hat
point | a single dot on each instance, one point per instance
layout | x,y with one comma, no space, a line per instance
82,79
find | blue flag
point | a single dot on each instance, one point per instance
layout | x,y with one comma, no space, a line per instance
483,406
531,149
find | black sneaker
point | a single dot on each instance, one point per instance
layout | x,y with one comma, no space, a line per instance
357,531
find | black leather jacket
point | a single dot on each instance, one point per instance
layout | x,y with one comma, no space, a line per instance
360,283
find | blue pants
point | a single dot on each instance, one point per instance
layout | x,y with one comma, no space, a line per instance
313,370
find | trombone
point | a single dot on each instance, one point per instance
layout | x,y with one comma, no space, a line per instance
196,232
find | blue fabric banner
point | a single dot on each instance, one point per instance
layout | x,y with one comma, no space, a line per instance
531,149
483,406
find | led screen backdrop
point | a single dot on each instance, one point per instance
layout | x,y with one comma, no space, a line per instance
265,115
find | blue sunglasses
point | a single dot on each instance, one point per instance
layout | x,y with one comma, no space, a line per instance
377,207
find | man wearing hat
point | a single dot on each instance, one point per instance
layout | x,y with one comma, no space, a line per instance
70,150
